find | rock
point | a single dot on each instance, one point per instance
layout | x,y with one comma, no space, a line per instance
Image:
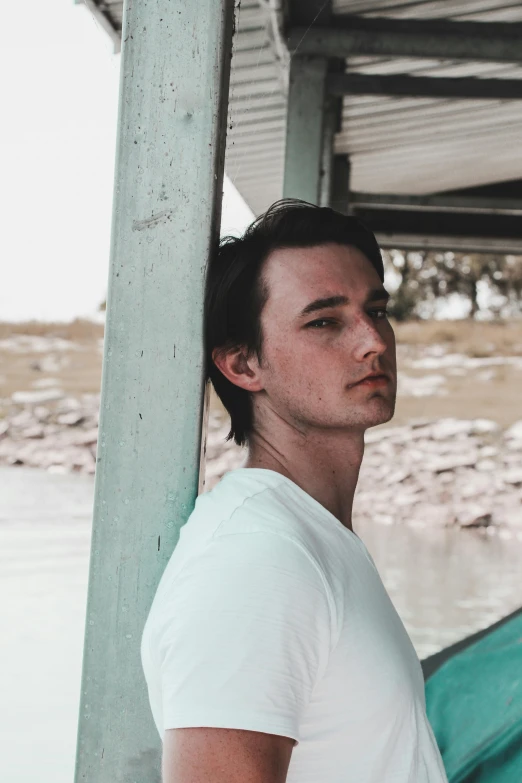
378,435
45,383
438,362
483,426
473,517
433,516
41,413
52,429
35,397
54,457
68,404
514,444
449,428
71,419
397,476
23,419
513,476
432,473
36,431
515,431
486,465
511,458
423,386
403,498
385,449
85,438
486,452
454,462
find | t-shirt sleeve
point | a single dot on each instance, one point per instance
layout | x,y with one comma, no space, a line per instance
245,637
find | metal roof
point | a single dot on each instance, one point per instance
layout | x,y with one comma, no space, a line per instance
396,145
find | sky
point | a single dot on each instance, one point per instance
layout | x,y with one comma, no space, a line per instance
59,102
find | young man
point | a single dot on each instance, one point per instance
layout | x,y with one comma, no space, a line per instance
272,651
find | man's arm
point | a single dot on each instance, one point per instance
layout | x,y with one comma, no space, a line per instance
215,755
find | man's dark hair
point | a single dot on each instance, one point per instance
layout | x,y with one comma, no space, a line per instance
236,294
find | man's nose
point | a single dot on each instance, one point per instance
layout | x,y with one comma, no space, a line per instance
368,339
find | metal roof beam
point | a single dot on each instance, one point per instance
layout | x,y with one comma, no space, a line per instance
347,36
308,12
438,203
446,226
424,86
457,244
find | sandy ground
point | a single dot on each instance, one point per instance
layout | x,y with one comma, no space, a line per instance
447,368
451,456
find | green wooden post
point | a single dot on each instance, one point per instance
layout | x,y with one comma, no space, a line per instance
304,128
168,186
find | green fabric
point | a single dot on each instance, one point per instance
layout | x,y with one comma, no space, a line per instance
474,704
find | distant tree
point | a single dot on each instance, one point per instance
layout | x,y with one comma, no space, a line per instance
427,277
405,298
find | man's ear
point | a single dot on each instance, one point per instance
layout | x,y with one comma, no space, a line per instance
238,367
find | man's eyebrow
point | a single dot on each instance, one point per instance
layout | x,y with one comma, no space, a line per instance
322,304
377,295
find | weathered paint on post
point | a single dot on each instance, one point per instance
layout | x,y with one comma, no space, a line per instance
304,128
171,136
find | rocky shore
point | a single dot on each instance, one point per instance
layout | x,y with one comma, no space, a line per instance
442,472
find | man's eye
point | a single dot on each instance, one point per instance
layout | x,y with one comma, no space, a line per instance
379,312
320,323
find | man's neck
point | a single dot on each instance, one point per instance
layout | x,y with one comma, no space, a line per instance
324,463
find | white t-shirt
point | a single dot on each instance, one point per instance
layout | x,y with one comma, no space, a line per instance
271,616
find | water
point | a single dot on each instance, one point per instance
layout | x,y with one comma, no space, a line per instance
44,554
446,584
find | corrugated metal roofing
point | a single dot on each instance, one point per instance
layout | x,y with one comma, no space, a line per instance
396,145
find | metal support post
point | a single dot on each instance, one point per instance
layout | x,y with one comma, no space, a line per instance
175,73
330,126
304,128
340,198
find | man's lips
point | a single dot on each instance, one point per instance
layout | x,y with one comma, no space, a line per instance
373,379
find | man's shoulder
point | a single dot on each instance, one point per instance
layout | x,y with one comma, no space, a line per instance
243,502
249,501
274,514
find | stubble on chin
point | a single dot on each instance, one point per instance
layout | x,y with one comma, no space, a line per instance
386,408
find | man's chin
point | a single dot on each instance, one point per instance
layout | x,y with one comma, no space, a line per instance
382,411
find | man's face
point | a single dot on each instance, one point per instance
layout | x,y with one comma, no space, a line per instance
316,353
